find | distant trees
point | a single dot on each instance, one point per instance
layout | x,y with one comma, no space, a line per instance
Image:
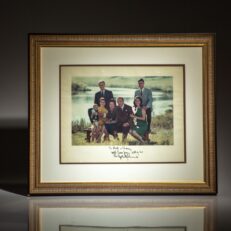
76,87
80,125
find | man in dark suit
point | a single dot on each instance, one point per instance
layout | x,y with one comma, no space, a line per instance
106,94
124,120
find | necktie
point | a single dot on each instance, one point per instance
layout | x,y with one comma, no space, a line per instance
141,93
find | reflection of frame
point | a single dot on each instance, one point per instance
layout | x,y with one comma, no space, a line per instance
95,228
123,214
141,105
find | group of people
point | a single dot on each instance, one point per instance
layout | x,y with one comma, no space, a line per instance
110,117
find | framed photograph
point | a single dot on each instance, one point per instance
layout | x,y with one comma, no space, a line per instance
121,215
80,89
122,114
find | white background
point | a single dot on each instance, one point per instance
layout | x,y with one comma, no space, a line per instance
52,171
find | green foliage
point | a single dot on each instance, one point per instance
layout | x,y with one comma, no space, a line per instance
80,86
163,121
80,125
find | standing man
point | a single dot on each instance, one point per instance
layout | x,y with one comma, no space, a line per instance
124,119
106,94
146,96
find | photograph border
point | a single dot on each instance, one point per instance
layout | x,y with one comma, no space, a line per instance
124,65
205,41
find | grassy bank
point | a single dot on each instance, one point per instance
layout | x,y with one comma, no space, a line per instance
160,137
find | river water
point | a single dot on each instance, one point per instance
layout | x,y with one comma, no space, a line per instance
84,100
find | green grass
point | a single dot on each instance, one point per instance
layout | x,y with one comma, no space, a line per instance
163,137
79,139
159,137
163,121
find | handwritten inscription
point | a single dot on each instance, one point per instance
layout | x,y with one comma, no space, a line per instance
123,152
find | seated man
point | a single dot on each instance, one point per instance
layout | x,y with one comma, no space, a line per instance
124,119
111,121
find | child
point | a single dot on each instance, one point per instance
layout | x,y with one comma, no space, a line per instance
95,124
102,112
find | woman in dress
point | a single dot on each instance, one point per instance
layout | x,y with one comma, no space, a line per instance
102,112
140,126
111,121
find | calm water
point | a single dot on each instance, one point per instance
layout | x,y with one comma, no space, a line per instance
84,100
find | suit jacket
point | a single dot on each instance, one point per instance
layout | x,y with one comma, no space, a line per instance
123,116
108,95
112,116
146,97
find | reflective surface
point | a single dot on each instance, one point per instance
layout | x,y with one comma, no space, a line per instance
115,17
92,213
120,214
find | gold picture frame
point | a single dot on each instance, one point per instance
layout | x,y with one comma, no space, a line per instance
45,174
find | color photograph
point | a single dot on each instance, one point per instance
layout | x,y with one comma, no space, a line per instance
122,113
